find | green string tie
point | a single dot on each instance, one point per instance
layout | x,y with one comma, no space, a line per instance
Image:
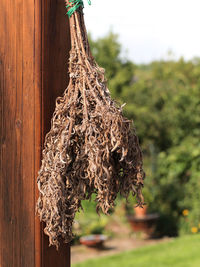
76,4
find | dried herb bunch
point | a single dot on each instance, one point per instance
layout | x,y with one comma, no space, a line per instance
91,147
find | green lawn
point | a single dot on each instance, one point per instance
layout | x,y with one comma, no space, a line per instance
180,252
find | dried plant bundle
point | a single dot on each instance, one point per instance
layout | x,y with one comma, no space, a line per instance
91,147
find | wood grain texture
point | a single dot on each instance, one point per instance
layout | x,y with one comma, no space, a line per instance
34,47
56,38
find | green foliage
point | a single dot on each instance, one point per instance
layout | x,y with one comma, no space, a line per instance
176,98
180,252
163,99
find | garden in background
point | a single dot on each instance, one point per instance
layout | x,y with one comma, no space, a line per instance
163,100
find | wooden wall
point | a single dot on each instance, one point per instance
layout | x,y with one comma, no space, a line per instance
34,47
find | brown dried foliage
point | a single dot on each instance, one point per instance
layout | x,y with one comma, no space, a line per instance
91,147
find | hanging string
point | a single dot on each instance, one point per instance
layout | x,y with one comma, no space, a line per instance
74,5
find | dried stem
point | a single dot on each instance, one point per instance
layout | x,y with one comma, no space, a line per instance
91,147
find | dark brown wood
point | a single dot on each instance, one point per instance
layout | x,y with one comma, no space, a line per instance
34,47
56,37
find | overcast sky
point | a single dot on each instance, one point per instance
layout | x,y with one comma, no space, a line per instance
148,29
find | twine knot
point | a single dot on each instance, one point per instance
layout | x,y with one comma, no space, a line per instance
74,5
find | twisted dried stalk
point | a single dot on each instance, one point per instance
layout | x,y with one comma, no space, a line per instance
91,147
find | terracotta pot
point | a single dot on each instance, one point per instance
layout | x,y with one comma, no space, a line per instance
93,240
146,223
140,212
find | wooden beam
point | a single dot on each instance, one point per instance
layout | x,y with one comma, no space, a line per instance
34,47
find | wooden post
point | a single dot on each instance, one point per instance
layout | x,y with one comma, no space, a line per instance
34,48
